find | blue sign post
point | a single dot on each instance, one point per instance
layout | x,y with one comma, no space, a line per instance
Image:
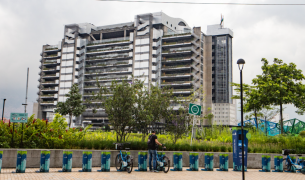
19,117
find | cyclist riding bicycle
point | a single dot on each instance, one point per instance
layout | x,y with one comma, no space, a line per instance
152,150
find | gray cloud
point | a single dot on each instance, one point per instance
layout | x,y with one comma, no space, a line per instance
259,31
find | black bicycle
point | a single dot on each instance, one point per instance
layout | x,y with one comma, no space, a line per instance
123,161
163,163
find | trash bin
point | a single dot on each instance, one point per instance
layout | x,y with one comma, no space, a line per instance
44,161
278,164
87,161
142,161
193,161
177,161
1,153
105,161
67,161
223,162
21,161
208,162
266,166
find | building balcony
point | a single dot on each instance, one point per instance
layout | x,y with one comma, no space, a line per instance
50,82
104,42
175,75
109,57
182,91
52,56
176,35
53,89
51,62
104,65
52,49
48,96
176,83
50,76
176,44
122,50
176,59
50,69
47,103
176,67
116,71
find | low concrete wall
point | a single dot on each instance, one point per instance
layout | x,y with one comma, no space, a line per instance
33,158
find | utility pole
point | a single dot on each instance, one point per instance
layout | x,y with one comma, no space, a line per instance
26,101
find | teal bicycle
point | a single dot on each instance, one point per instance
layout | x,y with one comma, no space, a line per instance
292,164
163,162
123,161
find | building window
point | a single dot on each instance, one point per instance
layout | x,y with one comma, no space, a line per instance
171,25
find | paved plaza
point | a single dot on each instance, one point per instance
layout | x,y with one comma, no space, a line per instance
252,174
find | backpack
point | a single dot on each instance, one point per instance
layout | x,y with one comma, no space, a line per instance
149,142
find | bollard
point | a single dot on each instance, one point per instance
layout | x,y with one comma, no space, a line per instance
193,161
266,166
208,162
87,161
67,161
21,161
142,161
1,153
278,164
177,161
44,161
105,161
223,162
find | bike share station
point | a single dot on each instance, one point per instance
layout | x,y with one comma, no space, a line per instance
124,161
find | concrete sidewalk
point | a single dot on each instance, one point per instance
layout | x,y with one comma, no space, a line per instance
252,174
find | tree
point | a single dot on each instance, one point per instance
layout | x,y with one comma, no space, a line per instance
279,84
252,99
152,105
73,104
178,123
120,106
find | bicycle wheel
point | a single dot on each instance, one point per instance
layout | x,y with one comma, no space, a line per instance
166,164
118,162
129,168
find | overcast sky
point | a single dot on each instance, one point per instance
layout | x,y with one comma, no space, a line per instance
259,32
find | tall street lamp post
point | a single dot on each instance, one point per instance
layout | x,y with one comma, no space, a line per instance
3,108
241,63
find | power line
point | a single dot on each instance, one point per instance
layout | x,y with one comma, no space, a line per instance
202,3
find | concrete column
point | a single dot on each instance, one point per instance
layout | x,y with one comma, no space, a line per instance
101,36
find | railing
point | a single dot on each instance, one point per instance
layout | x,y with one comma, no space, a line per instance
52,55
48,75
107,64
176,82
177,66
174,50
101,72
105,41
105,78
176,42
48,89
175,58
49,82
170,34
49,69
176,74
51,48
47,95
109,56
47,102
108,49
183,89
49,62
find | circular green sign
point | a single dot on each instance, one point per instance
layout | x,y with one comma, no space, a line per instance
195,109
248,135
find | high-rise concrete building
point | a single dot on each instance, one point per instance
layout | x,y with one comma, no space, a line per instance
155,48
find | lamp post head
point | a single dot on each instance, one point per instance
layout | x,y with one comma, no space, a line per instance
241,63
